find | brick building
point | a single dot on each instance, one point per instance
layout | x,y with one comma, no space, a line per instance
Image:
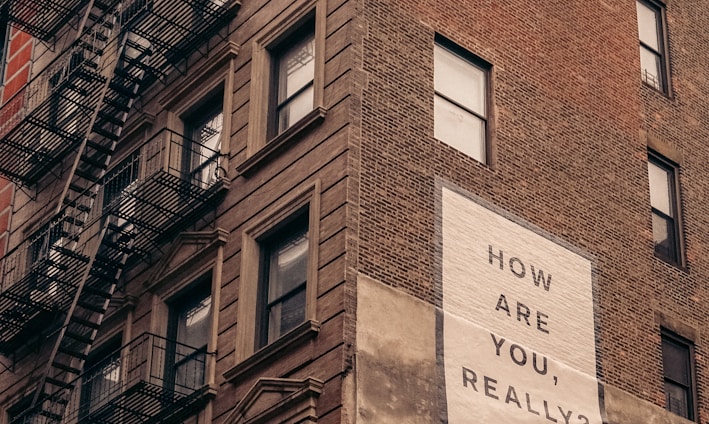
349,211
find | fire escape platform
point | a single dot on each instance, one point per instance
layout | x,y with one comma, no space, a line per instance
171,191
32,293
146,403
49,117
42,18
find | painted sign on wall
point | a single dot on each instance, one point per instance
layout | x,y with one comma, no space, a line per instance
518,338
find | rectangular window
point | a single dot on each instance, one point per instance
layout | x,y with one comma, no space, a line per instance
203,144
18,412
102,380
4,38
189,329
653,52
677,366
461,100
44,259
664,201
283,279
293,77
118,190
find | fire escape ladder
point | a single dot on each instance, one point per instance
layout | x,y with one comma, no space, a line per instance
117,97
113,246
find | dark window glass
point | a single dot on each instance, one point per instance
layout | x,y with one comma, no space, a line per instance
283,280
4,39
663,200
189,331
16,411
677,357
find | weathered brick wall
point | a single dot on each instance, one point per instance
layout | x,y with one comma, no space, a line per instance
569,154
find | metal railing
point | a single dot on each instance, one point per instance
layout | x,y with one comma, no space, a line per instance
160,184
41,18
151,377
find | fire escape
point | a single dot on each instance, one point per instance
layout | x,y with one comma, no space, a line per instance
73,112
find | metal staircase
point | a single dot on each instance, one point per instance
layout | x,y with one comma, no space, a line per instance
78,104
82,323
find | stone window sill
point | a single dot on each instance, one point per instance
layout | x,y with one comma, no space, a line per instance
304,332
281,141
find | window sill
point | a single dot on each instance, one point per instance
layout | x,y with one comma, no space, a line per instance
657,90
682,266
279,142
304,332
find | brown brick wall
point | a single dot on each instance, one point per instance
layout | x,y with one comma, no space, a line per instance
568,154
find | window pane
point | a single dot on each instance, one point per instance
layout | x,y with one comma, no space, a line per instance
459,128
288,267
677,399
664,236
295,109
647,26
286,315
193,324
660,188
208,129
296,68
459,80
650,66
675,361
203,145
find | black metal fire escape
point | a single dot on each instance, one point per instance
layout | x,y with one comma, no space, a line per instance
78,105
42,18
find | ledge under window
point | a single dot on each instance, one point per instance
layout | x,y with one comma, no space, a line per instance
301,334
281,141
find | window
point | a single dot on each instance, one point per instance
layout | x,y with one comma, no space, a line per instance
118,190
189,329
461,100
4,38
203,143
20,408
282,283
294,73
44,259
677,366
279,278
102,380
653,56
287,82
664,201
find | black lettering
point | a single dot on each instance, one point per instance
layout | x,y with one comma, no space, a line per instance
512,397
546,412
529,405
523,312
517,274
583,417
543,371
491,256
502,304
498,344
539,278
566,415
542,322
490,388
523,360
469,376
